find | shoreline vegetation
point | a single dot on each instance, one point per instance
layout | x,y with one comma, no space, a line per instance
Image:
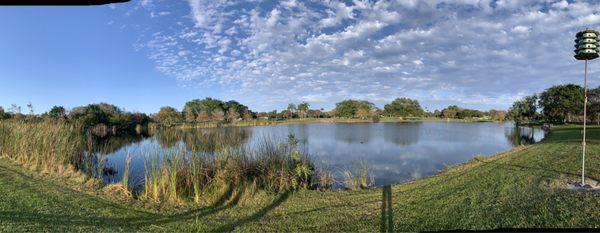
173,176
329,120
520,188
559,104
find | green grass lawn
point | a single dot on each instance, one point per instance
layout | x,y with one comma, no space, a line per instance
521,188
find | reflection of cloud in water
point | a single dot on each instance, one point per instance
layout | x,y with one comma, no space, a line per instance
396,152
353,132
404,135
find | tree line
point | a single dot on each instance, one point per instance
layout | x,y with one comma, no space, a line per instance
557,104
102,116
210,110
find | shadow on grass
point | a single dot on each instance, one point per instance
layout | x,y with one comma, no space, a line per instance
138,221
259,214
60,220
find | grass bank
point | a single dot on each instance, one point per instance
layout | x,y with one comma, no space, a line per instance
521,188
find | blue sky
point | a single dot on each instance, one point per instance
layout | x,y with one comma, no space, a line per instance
146,54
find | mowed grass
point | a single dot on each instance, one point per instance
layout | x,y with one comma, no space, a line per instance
521,188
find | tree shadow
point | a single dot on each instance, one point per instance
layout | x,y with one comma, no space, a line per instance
517,167
259,214
59,220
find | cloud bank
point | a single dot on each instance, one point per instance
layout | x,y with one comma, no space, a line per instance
475,53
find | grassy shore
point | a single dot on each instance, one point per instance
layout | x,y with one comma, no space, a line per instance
521,188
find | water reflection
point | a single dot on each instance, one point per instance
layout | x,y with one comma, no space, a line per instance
409,134
519,135
353,132
395,152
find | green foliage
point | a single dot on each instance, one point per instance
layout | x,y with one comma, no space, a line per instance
524,110
562,102
169,116
291,110
451,111
469,113
350,108
403,107
195,107
57,112
375,119
3,114
103,114
210,109
454,111
89,115
594,104
303,109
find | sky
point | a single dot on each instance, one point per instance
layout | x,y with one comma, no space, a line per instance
145,54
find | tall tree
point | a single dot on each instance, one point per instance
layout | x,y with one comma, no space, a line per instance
451,111
291,110
349,108
169,116
403,107
303,109
194,107
594,104
497,115
89,115
562,102
57,112
524,110
236,106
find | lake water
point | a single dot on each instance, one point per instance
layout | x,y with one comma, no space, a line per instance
394,152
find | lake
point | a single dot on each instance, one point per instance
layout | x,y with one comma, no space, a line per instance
394,152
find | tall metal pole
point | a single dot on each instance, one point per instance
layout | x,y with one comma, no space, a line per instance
584,123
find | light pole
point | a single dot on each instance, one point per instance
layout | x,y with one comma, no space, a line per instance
586,48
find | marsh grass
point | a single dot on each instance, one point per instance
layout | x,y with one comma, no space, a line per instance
126,172
360,178
44,146
174,175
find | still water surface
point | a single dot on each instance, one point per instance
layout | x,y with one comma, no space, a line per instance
395,152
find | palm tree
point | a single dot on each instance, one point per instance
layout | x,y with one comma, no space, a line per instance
291,109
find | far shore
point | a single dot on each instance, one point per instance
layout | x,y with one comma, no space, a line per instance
262,122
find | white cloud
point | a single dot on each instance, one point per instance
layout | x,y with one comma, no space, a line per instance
479,53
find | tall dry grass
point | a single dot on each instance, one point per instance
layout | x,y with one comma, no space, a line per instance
178,174
49,146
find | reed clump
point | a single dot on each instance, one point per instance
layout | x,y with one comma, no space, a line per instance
360,178
274,166
47,146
